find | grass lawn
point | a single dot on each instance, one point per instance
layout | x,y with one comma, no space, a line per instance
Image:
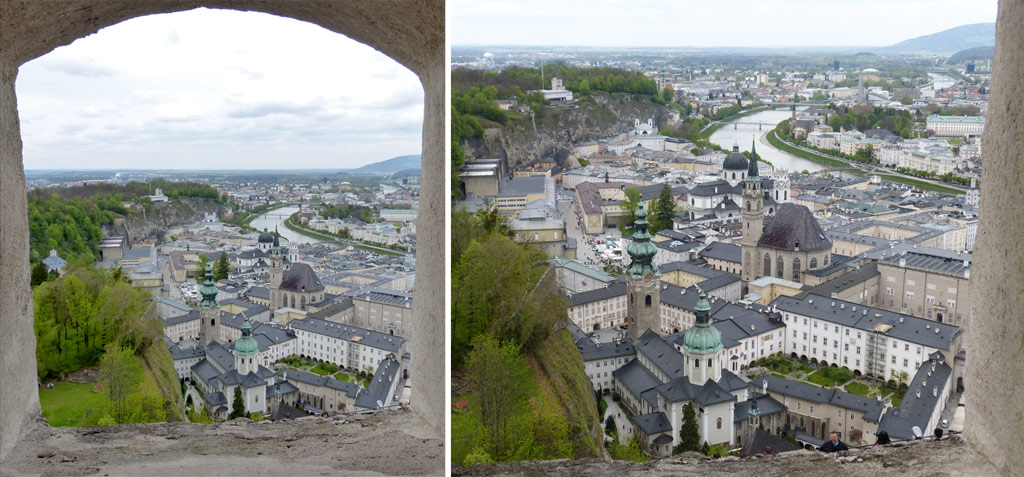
922,184
342,376
896,400
323,369
829,376
73,405
859,389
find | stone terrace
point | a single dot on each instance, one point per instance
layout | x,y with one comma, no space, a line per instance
385,443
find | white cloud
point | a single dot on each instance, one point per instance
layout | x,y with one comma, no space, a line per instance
707,23
212,89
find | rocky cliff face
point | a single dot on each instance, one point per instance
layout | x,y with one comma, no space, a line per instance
166,215
552,134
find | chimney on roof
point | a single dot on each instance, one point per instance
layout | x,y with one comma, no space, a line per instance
935,391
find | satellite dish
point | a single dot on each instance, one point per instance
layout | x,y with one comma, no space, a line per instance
380,405
917,432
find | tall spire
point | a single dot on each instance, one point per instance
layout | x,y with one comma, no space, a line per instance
702,309
641,250
752,168
208,290
277,242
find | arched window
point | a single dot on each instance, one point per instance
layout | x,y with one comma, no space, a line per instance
733,175
213,322
748,206
709,363
814,263
631,298
691,201
767,265
780,265
696,363
796,268
302,302
647,301
826,259
718,423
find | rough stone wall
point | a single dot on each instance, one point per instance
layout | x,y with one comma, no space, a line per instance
995,375
409,31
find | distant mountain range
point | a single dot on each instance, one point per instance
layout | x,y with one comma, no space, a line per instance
947,41
390,166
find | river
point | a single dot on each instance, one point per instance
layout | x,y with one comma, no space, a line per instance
277,217
743,134
940,81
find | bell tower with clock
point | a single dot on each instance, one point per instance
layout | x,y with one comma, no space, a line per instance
643,282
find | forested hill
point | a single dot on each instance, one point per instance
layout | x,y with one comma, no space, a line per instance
607,100
70,219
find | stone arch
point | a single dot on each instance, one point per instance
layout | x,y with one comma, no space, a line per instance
302,302
647,300
411,33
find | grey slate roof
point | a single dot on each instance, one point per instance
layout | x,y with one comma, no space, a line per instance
301,277
765,403
349,388
953,265
615,289
914,410
847,280
904,327
383,377
664,356
686,298
653,423
794,224
722,251
762,440
635,378
215,399
713,394
679,390
386,342
869,409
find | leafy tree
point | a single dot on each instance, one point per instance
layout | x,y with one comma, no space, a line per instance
906,101
123,374
705,448
663,210
630,205
39,274
201,266
689,434
221,268
668,95
504,382
237,405
491,284
609,426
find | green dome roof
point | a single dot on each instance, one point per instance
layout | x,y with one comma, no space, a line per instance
208,290
702,338
246,345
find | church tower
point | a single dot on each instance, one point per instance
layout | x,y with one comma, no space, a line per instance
753,220
246,349
643,306
209,309
702,345
276,272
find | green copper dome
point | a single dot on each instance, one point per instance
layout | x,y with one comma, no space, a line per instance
641,251
208,290
702,338
246,345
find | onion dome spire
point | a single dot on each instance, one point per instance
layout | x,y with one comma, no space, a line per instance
208,290
641,250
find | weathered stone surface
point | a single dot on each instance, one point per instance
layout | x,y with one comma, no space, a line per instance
409,31
994,379
948,457
387,443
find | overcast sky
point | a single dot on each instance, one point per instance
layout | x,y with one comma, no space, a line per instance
707,22
212,89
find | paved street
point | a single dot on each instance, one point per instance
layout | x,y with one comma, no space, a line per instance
621,421
567,211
